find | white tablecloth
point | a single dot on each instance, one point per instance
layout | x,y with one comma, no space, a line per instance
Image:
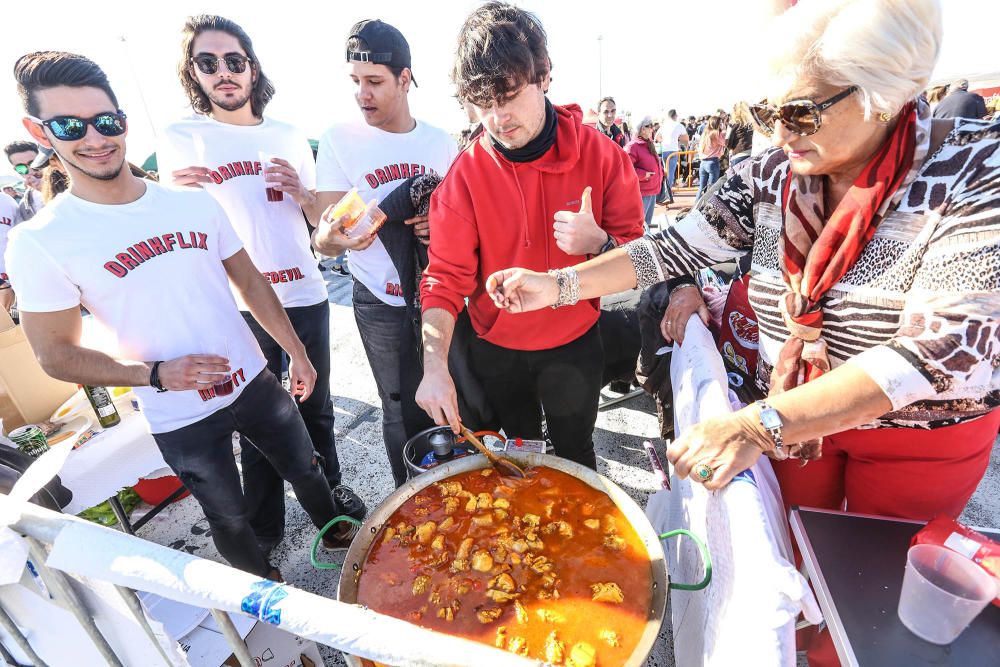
113,459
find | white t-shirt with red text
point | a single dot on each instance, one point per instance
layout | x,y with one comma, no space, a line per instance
274,232
151,272
376,162
8,213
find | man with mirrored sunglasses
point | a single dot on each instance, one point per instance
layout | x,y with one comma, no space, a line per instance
154,266
261,171
21,154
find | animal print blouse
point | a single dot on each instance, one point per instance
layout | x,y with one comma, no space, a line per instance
919,311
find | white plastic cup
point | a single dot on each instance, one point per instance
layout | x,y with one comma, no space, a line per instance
943,592
266,162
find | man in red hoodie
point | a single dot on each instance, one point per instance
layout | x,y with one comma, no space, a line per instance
537,189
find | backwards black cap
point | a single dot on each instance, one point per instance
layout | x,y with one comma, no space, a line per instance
386,45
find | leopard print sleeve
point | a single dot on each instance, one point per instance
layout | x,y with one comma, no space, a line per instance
719,229
947,347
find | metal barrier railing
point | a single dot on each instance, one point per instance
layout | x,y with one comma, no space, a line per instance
690,178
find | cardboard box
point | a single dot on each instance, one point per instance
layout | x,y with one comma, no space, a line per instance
205,646
27,394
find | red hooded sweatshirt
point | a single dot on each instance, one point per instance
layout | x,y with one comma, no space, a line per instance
491,214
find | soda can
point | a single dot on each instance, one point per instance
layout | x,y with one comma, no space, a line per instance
29,440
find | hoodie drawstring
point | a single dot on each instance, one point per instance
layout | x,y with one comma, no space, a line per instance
524,208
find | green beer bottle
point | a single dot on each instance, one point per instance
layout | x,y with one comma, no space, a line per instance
100,400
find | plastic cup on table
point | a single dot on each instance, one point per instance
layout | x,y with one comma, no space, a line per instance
266,162
943,592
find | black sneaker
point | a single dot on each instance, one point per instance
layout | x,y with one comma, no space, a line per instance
341,538
348,503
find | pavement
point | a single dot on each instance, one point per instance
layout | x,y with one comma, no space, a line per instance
617,438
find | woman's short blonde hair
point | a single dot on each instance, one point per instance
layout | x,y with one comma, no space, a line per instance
887,48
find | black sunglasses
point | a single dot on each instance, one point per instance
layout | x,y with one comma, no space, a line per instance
802,117
72,128
236,63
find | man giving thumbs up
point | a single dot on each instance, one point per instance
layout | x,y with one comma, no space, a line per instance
538,190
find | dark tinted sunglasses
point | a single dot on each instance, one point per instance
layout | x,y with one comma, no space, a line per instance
802,117
72,128
208,64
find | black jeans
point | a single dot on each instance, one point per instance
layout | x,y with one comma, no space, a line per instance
262,485
564,381
201,454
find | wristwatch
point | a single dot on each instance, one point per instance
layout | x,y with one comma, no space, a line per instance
608,245
771,421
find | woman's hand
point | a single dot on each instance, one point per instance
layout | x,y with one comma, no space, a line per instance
521,290
685,301
728,445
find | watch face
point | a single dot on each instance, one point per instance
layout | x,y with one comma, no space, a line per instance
770,419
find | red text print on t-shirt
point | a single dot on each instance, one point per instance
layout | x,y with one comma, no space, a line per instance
283,276
230,170
394,172
143,251
6,221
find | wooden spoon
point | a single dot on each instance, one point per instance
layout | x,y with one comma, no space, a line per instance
501,465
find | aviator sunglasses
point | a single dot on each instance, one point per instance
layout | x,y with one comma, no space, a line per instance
802,117
236,63
73,128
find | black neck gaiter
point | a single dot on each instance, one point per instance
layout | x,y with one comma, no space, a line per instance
535,148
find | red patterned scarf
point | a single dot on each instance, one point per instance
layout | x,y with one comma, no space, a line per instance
819,248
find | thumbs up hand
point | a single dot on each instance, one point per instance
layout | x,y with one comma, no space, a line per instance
577,233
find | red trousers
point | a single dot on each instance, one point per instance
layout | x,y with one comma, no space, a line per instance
906,473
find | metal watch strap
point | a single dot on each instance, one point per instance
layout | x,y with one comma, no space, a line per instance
774,432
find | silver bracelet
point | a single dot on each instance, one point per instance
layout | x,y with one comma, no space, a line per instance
568,283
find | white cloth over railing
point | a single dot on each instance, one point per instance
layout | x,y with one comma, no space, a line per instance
747,614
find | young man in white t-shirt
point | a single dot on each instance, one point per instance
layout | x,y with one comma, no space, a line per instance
673,137
8,213
376,156
154,266
219,149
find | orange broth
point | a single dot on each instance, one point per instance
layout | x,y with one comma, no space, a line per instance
538,579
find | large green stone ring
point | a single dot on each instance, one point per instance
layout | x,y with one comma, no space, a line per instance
703,473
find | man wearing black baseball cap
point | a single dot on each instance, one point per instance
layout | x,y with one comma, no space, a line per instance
375,157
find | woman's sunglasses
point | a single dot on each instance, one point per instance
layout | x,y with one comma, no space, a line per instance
208,64
802,117
72,128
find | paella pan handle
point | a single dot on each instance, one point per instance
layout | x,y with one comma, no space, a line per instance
319,565
706,558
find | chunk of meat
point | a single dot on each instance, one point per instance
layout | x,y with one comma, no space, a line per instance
471,505
531,519
434,597
518,645
519,546
482,561
446,525
501,638
610,524
461,586
420,584
610,637
484,501
486,472
614,542
499,514
499,553
449,488
549,616
521,613
465,548
460,565
561,527
438,543
390,533
425,531
541,564
555,649
549,506
501,596
446,613
582,655
592,524
489,615
483,520
501,503
607,592
450,505
503,582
